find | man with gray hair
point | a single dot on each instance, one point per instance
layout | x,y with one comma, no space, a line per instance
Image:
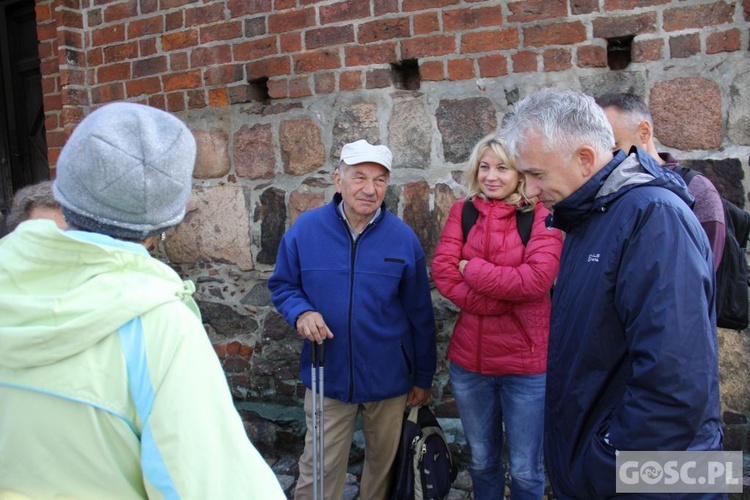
632,361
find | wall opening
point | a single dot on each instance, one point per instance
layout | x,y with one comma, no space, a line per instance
259,90
619,52
406,74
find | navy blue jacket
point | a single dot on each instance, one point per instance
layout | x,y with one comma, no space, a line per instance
632,361
374,295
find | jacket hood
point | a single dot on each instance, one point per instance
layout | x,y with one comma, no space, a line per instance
623,173
63,291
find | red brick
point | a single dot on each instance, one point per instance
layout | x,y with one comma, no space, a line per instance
116,53
616,26
684,45
611,5
119,11
94,17
427,22
108,35
240,8
383,29
325,83
175,21
274,66
537,10
291,4
701,16
344,11
378,78
429,46
460,69
381,7
67,38
94,58
147,47
350,80
218,98
432,71
292,20
579,7
180,40
412,5
151,85
278,89
150,66
290,43
358,55
211,55
310,62
591,56
647,50
113,73
107,93
255,26
43,12
329,36
55,139
52,156
492,66
468,19
171,4
207,14
746,9
46,50
178,61
489,41
196,99
221,31
542,35
175,102
222,75
255,49
145,26
182,81
556,60
148,7
524,62
69,18
724,41
72,77
158,101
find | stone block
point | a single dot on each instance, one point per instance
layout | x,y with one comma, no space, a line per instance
302,149
462,123
738,123
726,175
254,156
410,135
734,370
699,98
212,160
354,122
272,215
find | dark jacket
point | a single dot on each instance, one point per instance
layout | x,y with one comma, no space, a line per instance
374,295
633,351
503,293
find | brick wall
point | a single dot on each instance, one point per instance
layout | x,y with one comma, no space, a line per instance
273,88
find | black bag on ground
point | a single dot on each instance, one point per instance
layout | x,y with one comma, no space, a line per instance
423,468
732,304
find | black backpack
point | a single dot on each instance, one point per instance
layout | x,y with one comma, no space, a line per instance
423,468
524,220
731,277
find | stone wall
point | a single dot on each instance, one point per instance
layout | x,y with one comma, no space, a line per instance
273,89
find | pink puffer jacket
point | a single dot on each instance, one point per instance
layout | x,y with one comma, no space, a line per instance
503,327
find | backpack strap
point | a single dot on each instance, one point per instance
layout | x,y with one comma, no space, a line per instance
686,173
524,221
469,215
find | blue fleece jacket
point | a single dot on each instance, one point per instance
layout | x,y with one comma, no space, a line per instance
374,295
632,361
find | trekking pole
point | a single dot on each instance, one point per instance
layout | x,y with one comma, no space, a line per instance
317,355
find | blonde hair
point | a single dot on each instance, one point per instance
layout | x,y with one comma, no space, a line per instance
494,142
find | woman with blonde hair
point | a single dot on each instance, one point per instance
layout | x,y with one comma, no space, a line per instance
500,280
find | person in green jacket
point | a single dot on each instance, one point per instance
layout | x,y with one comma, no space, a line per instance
109,386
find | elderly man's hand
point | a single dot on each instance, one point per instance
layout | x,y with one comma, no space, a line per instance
311,326
418,396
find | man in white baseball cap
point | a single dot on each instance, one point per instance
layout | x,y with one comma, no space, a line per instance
366,295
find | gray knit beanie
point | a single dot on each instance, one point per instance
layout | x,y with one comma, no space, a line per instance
126,171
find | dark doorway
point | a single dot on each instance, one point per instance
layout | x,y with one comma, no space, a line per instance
23,145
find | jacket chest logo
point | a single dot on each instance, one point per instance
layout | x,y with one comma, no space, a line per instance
593,257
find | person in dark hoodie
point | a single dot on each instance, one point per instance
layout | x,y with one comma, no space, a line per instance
632,362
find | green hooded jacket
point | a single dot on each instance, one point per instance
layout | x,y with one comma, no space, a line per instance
109,386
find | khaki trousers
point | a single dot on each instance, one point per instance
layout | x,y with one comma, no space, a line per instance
381,424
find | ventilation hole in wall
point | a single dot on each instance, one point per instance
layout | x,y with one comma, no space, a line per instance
406,74
619,52
259,90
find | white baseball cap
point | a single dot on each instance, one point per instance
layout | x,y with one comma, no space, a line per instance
362,151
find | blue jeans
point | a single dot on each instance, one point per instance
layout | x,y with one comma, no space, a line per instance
484,402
